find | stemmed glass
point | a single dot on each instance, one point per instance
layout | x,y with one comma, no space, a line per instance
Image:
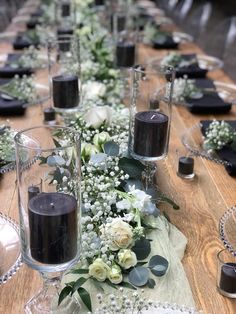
150,115
50,211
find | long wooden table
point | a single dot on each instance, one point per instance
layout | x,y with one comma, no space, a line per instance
203,201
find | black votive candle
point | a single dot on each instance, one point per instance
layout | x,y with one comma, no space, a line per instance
125,54
228,278
49,115
154,103
186,165
150,133
53,227
33,191
65,91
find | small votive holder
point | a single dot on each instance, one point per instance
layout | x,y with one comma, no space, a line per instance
49,116
226,281
186,167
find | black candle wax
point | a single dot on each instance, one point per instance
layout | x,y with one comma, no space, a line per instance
53,227
49,114
65,91
228,278
125,54
33,191
186,165
150,133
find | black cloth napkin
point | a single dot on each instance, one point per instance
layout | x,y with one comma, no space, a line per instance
210,103
7,71
12,107
22,41
168,43
226,153
193,70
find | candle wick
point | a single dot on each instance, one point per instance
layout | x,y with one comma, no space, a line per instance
52,205
153,116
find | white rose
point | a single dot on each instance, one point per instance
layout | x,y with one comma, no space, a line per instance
100,139
98,115
127,259
99,270
115,275
120,233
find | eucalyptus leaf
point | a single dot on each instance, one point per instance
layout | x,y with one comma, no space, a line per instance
85,297
142,248
64,293
158,265
151,283
97,159
111,148
79,271
132,167
139,276
55,160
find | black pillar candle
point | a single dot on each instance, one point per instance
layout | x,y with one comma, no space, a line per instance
228,278
53,227
49,115
65,91
150,133
186,165
120,22
125,54
65,9
33,191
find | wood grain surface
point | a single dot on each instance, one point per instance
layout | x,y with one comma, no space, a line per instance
203,201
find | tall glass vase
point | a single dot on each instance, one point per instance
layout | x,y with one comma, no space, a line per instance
49,209
150,115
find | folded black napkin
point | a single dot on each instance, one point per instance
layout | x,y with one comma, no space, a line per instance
22,41
226,153
193,70
164,42
7,71
12,107
210,102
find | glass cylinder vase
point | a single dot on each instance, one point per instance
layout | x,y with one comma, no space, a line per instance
49,211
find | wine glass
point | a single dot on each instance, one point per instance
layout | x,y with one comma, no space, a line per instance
50,211
150,115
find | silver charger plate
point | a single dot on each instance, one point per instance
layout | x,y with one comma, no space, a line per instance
10,252
227,227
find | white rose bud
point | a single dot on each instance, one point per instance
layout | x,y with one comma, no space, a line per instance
115,275
98,115
87,150
100,139
99,270
120,234
127,259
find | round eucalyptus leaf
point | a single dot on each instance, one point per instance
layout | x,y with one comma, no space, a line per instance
142,248
158,265
111,148
55,160
139,276
151,283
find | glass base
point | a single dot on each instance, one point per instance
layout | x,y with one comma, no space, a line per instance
227,294
46,301
186,176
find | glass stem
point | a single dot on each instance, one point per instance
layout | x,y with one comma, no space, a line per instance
149,172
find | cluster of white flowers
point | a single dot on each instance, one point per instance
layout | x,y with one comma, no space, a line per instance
183,88
7,152
218,134
22,88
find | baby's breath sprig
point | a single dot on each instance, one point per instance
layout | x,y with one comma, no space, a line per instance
29,59
185,88
20,88
218,135
7,151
